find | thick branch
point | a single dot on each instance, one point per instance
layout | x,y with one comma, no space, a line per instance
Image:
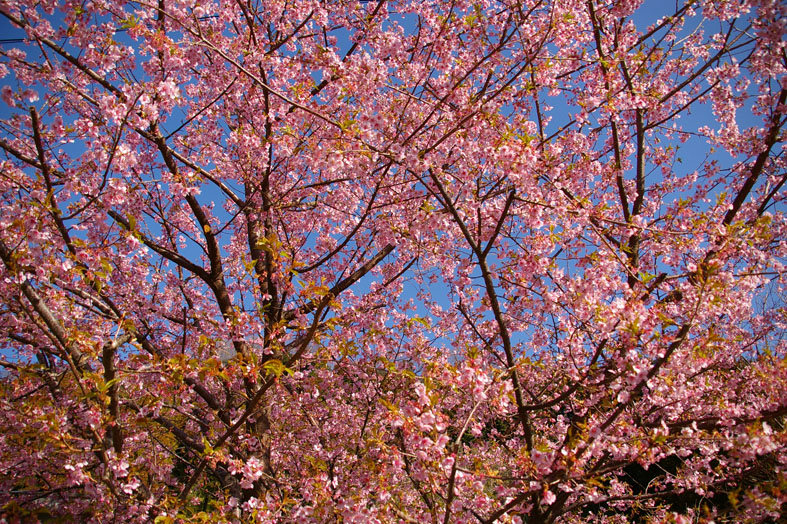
756,170
56,328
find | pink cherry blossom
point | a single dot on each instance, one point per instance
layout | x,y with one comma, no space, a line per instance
372,262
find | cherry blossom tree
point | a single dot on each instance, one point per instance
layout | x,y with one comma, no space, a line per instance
395,261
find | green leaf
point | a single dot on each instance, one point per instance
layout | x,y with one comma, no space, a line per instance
107,266
276,367
646,277
420,320
392,408
128,23
208,448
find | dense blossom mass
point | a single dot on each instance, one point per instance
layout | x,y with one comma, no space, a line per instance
341,261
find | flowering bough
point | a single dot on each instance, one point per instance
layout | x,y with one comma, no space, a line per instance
393,261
